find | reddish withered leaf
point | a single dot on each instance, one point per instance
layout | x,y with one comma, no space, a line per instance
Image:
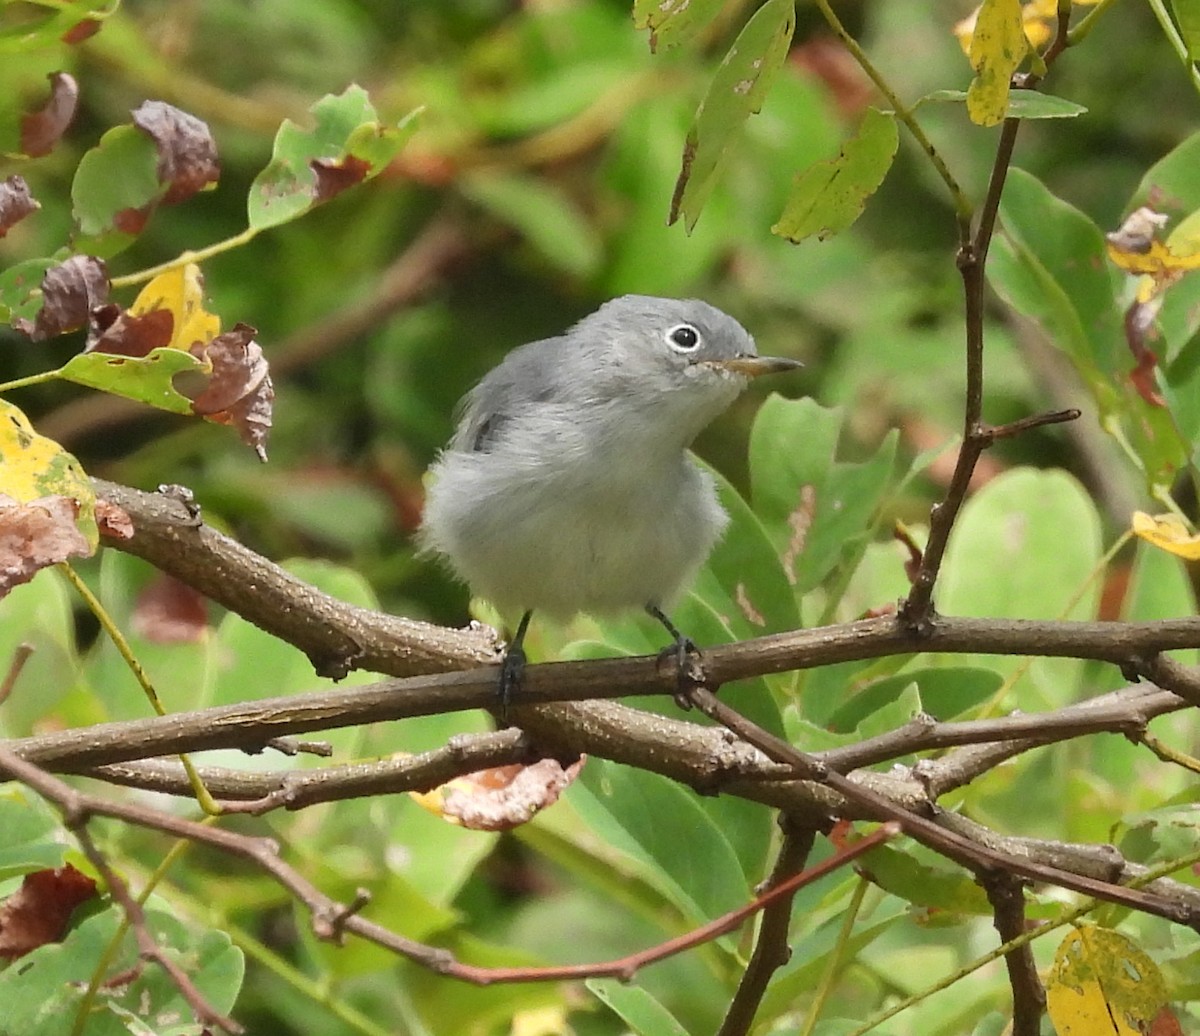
41,130
82,30
132,221
36,535
170,612
113,521
239,393
70,291
503,797
114,330
333,177
187,155
38,912
15,202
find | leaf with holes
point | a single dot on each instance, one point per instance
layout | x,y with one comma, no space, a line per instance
827,197
737,92
347,145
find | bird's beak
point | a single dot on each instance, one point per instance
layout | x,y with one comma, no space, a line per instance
753,366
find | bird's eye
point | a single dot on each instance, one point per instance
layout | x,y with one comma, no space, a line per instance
683,338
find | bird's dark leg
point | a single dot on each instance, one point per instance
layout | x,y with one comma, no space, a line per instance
679,650
513,665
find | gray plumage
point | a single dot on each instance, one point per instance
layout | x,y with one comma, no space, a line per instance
567,485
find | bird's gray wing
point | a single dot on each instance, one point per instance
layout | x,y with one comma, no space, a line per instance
528,376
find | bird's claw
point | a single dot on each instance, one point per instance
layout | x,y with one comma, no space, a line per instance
689,672
511,671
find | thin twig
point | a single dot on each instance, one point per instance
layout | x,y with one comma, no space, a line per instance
1029,995
1026,424
918,606
975,857
20,656
77,810
771,950
330,920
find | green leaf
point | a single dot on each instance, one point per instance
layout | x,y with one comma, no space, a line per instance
1187,18
347,141
114,191
827,197
945,693
635,1007
1022,104
998,46
1171,183
672,22
1158,588
1050,263
20,288
39,614
148,379
1071,249
650,818
52,22
813,509
736,92
641,167
925,885
1026,545
546,217
31,830
47,989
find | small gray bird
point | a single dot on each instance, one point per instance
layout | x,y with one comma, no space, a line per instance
568,487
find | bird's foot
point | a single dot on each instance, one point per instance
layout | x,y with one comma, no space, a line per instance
511,671
689,673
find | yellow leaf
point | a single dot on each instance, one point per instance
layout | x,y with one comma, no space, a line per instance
180,291
998,46
47,508
550,1020
1040,18
1102,982
1167,532
33,467
1158,260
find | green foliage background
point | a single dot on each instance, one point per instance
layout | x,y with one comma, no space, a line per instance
550,139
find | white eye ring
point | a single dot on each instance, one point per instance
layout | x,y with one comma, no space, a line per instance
683,338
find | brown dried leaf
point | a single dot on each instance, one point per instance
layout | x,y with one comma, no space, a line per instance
335,176
133,221
187,154
828,61
503,797
117,331
239,391
82,30
36,535
902,535
41,130
1165,1023
38,912
15,202
70,291
1142,375
170,612
113,521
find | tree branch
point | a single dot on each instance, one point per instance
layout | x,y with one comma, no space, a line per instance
336,636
